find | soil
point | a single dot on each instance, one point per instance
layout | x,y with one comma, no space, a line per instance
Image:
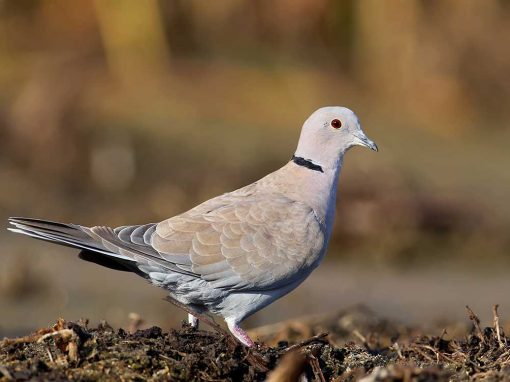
382,351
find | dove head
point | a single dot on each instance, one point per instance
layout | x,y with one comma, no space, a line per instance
328,133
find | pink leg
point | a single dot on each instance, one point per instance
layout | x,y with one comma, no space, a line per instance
239,333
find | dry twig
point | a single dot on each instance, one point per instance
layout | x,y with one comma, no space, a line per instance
316,368
360,336
496,325
476,321
308,341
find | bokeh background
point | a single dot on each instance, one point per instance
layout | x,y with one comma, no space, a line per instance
120,112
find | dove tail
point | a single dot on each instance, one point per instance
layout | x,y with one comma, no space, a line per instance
70,235
76,236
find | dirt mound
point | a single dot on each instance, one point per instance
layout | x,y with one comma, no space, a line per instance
385,352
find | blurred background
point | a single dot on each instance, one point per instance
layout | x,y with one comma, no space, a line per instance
123,112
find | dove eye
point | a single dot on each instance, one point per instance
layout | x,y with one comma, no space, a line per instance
336,123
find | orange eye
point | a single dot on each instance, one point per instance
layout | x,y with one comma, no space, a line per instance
336,123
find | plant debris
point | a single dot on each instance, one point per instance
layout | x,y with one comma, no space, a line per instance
382,352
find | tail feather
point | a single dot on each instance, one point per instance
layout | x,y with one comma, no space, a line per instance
67,231
71,235
124,252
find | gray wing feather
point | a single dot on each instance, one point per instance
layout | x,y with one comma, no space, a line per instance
128,241
246,243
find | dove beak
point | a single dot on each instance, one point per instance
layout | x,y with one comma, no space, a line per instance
362,140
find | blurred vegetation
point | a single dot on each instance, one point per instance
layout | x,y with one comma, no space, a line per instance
117,112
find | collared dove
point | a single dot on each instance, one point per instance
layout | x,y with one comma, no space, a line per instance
236,253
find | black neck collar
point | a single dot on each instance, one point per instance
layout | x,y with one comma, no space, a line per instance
306,163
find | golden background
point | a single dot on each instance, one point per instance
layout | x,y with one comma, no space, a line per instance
121,112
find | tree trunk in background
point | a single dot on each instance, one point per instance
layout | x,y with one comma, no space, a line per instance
386,43
133,37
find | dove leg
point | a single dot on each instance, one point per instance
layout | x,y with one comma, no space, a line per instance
232,324
203,317
239,333
193,321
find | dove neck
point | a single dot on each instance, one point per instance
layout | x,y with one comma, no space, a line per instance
330,188
312,187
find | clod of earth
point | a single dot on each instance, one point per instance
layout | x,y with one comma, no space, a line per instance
70,350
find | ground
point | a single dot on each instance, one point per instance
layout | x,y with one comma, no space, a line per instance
317,347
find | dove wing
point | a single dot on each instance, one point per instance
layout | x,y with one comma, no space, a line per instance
260,242
242,240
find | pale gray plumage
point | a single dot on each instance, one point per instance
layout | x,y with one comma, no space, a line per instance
238,252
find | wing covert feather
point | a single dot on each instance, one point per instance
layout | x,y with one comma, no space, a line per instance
245,243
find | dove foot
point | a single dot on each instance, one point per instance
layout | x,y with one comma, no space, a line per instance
193,321
239,333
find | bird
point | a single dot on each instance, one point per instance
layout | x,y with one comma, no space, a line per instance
238,252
